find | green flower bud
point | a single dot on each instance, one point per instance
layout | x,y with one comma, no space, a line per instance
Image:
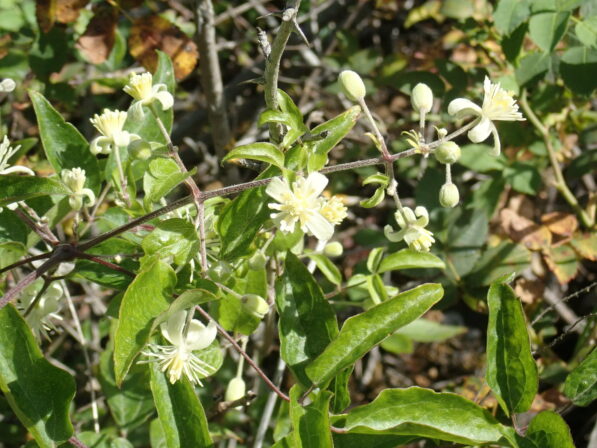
449,195
219,272
256,305
447,152
257,261
140,149
334,249
352,85
236,389
422,98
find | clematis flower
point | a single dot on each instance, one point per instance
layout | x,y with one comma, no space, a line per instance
74,180
412,229
498,105
110,124
300,203
6,152
40,317
178,359
334,210
141,88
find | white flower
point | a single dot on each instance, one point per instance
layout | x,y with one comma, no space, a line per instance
178,359
7,85
300,203
334,210
110,124
413,232
6,152
498,105
141,88
45,310
74,180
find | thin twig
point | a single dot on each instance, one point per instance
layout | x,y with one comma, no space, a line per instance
76,442
26,261
565,299
42,231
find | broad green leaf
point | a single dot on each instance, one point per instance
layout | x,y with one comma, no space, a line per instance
532,67
410,259
175,238
180,412
327,268
103,439
377,178
523,177
398,344
555,5
548,430
130,404
422,412
425,330
20,188
64,145
578,64
332,132
11,252
497,261
307,321
296,127
147,128
39,393
311,423
547,28
161,177
340,387
581,383
147,297
362,332
262,151
476,157
511,369
351,440
586,31
242,218
509,14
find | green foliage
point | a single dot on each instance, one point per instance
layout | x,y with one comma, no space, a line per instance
19,188
547,430
262,151
581,384
160,178
311,423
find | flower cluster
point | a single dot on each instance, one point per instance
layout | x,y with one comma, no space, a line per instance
302,203
412,229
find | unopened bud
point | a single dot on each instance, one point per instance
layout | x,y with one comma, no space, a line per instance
140,149
447,152
257,261
352,85
219,272
236,389
7,85
422,98
449,195
256,305
334,249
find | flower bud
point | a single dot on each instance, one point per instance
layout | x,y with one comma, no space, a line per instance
422,98
140,149
352,85
334,249
447,152
257,261
7,85
236,389
256,305
219,272
449,195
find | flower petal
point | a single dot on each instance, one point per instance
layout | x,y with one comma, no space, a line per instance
101,145
278,189
90,195
18,169
136,110
495,151
320,227
392,235
199,336
461,107
165,98
173,327
481,131
316,183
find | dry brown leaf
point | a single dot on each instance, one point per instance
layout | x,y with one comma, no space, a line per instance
67,11
563,262
560,223
48,12
96,43
525,231
152,33
529,291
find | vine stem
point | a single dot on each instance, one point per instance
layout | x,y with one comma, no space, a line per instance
560,182
244,354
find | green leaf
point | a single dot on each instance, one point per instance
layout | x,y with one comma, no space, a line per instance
340,387
180,412
549,430
20,188
311,423
262,151
476,157
327,268
307,321
532,67
374,200
103,439
64,145
422,412
410,259
374,259
175,238
524,177
586,31
351,440
362,332
511,370
161,177
497,261
333,130
578,64
465,239
425,330
509,14
581,383
377,178
547,28
147,128
39,393
147,297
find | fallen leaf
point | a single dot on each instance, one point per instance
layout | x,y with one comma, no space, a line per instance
67,11
152,33
96,43
524,231
562,261
560,223
529,291
48,12
586,245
